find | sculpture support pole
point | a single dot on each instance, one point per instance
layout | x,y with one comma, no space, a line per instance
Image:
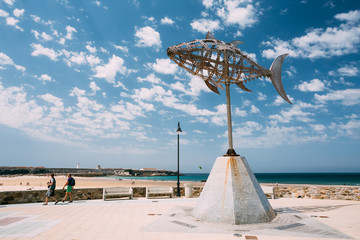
231,150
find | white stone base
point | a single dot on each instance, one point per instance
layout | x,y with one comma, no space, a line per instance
233,195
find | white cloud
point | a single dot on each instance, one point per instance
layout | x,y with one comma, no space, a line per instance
69,32
149,78
178,86
15,110
57,105
80,58
47,118
62,41
241,13
314,85
108,71
103,50
94,88
341,80
318,127
348,71
350,129
52,99
196,85
351,16
9,2
3,13
121,48
13,22
291,72
45,78
128,110
147,37
199,132
238,34
44,36
240,113
90,48
254,109
247,129
208,3
252,56
38,50
77,92
6,60
168,99
261,96
165,66
279,100
321,43
93,60
37,19
219,117
205,25
167,21
288,115
18,12
347,97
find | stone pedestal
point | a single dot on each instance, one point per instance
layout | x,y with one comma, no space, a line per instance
233,195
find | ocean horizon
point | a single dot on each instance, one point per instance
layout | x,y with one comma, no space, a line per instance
352,179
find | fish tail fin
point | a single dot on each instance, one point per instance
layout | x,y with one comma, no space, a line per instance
275,77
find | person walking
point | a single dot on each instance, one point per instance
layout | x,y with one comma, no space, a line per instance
70,183
51,190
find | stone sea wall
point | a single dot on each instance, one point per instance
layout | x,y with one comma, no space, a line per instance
318,192
312,192
33,196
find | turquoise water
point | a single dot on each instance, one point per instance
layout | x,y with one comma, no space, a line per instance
289,178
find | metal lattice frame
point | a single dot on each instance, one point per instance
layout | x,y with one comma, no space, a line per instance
217,63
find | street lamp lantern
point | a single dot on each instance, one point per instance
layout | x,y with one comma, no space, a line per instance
178,131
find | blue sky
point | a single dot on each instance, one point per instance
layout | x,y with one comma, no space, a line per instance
89,82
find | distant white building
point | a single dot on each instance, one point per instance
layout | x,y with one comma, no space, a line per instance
148,169
78,165
122,173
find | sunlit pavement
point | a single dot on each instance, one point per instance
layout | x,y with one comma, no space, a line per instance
171,219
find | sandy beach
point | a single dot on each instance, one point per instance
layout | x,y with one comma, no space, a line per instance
19,183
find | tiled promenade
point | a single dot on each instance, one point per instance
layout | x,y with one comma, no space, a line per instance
171,219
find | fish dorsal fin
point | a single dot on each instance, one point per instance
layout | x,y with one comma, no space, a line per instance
209,35
236,42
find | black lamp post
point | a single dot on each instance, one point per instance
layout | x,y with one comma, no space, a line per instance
178,131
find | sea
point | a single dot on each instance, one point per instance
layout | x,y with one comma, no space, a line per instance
352,179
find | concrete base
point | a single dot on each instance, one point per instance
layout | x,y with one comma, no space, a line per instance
233,195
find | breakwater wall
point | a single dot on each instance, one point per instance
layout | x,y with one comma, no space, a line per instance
310,192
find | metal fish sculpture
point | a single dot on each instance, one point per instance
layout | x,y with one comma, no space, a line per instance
217,63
